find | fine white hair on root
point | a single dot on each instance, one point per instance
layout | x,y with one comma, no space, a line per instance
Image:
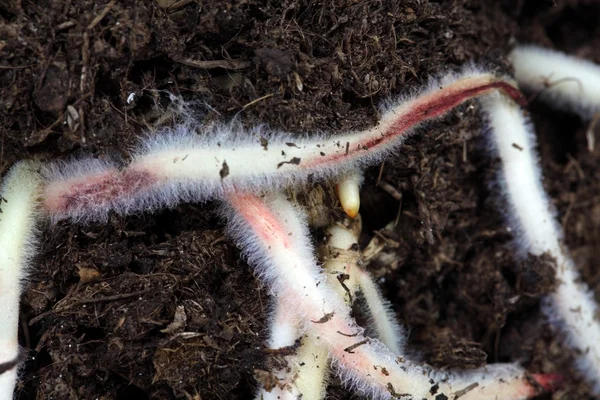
344,257
76,167
305,374
381,314
563,81
179,164
283,333
258,252
346,277
19,196
273,235
570,308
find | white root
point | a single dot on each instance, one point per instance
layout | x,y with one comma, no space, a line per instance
274,237
571,307
283,333
19,204
563,81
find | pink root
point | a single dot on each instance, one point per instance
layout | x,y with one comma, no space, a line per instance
95,192
439,104
273,235
180,165
549,382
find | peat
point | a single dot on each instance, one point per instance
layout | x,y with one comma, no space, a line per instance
108,304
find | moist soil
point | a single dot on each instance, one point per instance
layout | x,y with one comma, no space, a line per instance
161,305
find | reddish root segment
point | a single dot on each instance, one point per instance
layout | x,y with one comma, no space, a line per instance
179,165
272,234
307,370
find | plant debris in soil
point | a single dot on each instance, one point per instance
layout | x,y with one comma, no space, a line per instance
160,305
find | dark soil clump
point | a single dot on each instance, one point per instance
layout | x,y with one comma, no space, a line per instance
160,305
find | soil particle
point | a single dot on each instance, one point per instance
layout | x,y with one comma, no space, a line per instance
90,77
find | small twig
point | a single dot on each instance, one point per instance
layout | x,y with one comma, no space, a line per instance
245,106
356,345
100,16
88,301
380,173
590,133
212,64
548,84
7,366
16,67
392,191
575,164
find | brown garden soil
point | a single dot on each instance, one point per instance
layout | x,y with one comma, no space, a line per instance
92,77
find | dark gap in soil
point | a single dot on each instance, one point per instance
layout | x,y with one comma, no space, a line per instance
127,391
560,132
157,69
574,25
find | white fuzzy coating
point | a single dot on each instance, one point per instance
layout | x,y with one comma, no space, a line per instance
273,235
305,375
283,332
311,362
77,167
345,259
382,315
19,204
181,165
571,307
563,81
313,357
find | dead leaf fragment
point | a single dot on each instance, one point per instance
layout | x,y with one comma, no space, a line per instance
179,321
